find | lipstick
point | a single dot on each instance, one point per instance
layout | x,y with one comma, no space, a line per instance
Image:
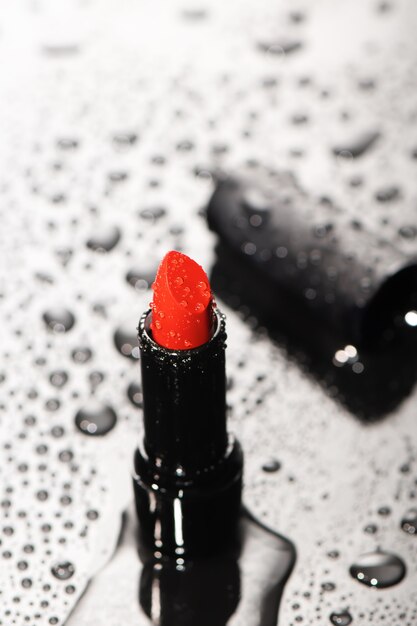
188,469
183,305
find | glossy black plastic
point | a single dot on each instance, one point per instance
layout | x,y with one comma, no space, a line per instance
309,255
245,580
188,472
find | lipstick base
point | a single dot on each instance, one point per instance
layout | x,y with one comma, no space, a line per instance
245,582
179,517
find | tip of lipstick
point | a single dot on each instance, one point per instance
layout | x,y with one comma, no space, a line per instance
182,307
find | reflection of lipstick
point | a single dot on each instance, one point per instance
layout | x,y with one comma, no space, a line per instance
188,472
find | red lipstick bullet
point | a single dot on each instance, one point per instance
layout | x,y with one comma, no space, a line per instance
182,311
188,470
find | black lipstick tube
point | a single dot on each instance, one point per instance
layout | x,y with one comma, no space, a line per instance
188,470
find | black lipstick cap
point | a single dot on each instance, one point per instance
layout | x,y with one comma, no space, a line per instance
311,255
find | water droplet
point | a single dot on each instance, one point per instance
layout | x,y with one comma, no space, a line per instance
321,230
384,511
58,378
357,146
57,432
341,618
95,378
179,281
59,320
81,355
63,570
187,343
124,140
66,456
139,279
371,529
271,466
378,569
409,522
104,239
281,48
202,285
387,194
126,342
333,554
95,419
408,232
184,303
158,324
52,404
199,307
67,143
153,214
117,176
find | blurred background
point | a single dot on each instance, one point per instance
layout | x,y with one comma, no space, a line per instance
118,120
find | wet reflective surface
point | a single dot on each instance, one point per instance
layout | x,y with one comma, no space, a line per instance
240,586
108,122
